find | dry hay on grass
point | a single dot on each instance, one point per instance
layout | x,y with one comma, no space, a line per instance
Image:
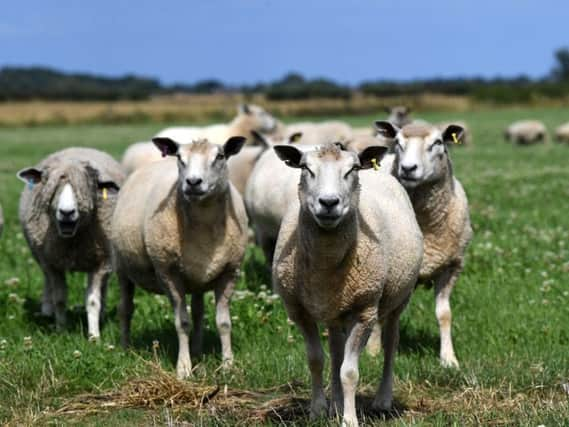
160,389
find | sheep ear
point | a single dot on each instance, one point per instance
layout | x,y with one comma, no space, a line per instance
167,146
386,129
456,130
371,156
233,145
30,175
110,186
244,109
289,154
294,138
341,145
260,139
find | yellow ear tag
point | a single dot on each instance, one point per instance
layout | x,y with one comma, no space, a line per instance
455,139
105,195
374,163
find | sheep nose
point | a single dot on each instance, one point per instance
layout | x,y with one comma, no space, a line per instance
66,213
329,202
193,181
407,169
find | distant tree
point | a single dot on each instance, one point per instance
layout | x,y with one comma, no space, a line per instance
561,69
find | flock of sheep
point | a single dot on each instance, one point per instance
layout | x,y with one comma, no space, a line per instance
350,221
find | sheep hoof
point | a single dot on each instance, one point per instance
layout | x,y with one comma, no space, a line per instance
227,364
94,338
350,422
449,362
318,408
184,370
336,410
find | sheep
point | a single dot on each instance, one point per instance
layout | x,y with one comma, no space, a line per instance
181,227
525,132
423,166
269,191
562,133
320,133
65,212
249,117
466,135
348,254
399,115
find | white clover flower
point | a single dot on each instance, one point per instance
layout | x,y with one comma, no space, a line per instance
77,354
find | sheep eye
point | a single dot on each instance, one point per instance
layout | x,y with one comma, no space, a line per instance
180,160
349,172
434,144
398,146
218,157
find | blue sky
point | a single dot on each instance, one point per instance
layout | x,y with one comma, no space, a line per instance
244,41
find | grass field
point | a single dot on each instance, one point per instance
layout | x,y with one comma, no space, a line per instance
510,310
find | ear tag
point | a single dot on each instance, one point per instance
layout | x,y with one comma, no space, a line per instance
105,194
374,163
31,184
455,139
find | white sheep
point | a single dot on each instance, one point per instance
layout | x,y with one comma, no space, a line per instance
321,132
423,165
348,253
180,227
562,133
249,118
65,211
526,132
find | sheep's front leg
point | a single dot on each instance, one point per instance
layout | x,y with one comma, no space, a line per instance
358,334
337,341
177,295
444,285
223,293
47,295
58,296
315,355
390,340
196,337
126,308
97,283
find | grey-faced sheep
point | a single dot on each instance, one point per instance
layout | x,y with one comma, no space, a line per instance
180,227
422,164
399,115
562,133
249,118
348,253
65,211
525,132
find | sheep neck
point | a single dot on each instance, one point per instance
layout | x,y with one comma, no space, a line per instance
211,210
431,202
326,249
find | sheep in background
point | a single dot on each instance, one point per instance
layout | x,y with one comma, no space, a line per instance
562,133
399,115
65,211
525,132
320,133
181,227
249,118
422,164
348,253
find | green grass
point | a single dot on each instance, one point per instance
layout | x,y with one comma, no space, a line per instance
510,307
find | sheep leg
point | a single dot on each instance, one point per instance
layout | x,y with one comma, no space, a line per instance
390,339
358,334
315,355
126,308
58,297
223,294
97,283
196,337
373,346
444,285
46,299
337,341
177,295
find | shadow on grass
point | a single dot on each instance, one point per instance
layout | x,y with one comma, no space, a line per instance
297,410
417,340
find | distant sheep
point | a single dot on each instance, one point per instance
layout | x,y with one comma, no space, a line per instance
321,132
348,254
562,133
422,164
180,227
525,132
249,118
65,211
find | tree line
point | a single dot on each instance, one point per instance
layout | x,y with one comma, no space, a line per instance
19,83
